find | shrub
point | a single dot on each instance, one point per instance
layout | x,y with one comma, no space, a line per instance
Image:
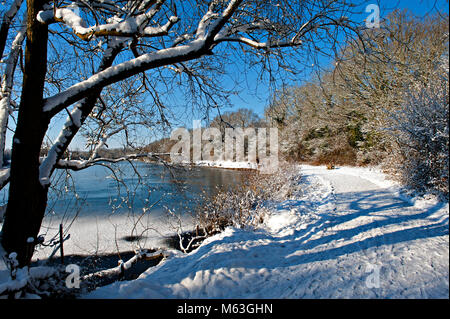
243,206
423,139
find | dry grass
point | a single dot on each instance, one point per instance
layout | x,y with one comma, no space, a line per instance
243,206
339,156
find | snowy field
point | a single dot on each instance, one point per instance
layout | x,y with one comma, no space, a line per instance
346,233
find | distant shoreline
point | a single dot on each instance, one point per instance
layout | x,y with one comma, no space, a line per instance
232,165
239,166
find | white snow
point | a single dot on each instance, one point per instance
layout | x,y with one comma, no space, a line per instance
126,27
4,175
344,232
227,164
105,235
23,277
49,162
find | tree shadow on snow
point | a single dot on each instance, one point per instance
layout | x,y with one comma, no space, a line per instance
281,251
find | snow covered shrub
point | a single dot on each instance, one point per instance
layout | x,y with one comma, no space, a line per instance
243,206
35,282
423,137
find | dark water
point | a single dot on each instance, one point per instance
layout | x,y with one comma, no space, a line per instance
144,186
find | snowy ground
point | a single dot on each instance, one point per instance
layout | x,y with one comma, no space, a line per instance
347,233
106,235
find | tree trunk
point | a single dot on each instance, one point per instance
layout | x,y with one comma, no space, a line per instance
4,114
27,196
6,23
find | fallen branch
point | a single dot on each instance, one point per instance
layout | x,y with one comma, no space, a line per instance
123,266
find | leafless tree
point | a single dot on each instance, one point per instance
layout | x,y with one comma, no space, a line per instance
166,44
348,109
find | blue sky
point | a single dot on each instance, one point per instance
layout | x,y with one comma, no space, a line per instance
419,8
255,94
258,94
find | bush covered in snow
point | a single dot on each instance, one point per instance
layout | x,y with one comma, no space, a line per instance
243,206
35,282
421,158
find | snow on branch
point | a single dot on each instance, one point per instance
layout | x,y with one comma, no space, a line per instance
127,27
167,56
261,45
77,165
6,23
124,70
7,81
11,61
204,22
47,163
123,266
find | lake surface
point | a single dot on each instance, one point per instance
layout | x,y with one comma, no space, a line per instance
104,214
145,185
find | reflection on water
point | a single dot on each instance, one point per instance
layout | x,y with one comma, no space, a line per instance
155,186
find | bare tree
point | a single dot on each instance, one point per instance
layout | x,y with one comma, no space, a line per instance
348,109
166,43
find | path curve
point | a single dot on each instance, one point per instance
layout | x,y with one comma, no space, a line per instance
343,235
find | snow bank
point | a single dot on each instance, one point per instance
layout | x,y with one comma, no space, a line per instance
227,164
341,236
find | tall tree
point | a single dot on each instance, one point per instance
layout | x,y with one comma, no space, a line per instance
351,106
165,43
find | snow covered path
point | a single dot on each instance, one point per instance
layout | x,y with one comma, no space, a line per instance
345,234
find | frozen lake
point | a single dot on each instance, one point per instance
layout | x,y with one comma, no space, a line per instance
107,211
144,186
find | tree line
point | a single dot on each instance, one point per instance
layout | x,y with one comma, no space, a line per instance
110,67
383,101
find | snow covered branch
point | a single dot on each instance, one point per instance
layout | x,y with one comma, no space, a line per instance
6,23
123,266
193,50
75,120
77,165
6,87
4,177
129,27
260,45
